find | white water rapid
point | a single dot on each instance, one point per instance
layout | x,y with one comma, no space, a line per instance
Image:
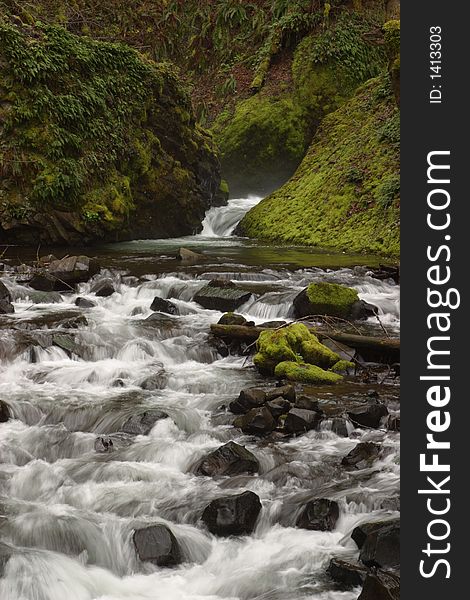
67,512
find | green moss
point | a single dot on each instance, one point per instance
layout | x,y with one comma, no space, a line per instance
331,299
392,38
321,205
316,353
342,366
304,373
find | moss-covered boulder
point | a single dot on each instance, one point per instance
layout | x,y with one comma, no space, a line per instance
295,344
305,373
345,194
264,138
97,142
330,299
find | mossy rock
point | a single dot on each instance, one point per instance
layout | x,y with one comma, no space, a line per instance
336,199
294,343
324,298
342,366
98,142
305,373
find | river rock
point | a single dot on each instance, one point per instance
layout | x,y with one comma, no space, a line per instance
361,456
319,514
5,412
233,515
105,444
45,297
370,415
381,586
361,531
189,256
143,423
157,381
221,295
285,391
229,459
231,319
103,288
278,406
158,545
340,426
42,282
6,307
306,403
331,299
347,573
393,423
164,306
71,270
248,399
84,302
257,421
381,547
299,420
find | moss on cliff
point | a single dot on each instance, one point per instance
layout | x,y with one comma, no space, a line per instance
345,194
97,142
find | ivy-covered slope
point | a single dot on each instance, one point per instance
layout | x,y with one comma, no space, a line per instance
96,142
345,194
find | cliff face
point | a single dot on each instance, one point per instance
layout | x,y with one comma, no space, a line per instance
96,142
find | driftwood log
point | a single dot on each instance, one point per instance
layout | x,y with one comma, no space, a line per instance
374,349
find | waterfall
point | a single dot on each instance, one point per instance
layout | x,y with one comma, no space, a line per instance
220,221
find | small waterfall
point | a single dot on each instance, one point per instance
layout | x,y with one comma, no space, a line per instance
221,221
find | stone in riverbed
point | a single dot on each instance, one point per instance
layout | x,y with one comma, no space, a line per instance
229,459
143,423
103,288
164,306
257,421
42,282
306,403
347,573
84,303
285,391
299,420
248,399
381,547
278,406
381,586
157,381
361,456
71,270
158,545
331,299
221,295
368,416
231,318
320,514
105,444
189,256
6,307
233,515
5,412
45,297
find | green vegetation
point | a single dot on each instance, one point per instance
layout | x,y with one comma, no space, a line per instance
303,373
92,133
331,299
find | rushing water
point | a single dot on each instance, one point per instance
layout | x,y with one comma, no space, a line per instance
69,512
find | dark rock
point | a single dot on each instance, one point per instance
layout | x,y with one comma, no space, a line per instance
381,586
368,416
347,573
381,547
219,344
248,399
189,256
130,280
234,515
393,423
157,381
103,288
319,514
164,306
104,444
299,420
71,270
158,545
45,297
142,424
362,310
278,406
74,322
361,456
221,295
306,403
230,459
6,307
231,319
339,426
5,412
42,282
47,260
258,421
84,302
285,391
118,383
67,343
272,324
360,532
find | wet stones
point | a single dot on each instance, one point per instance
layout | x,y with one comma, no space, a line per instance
278,407
6,307
318,514
257,421
368,416
42,282
221,295
231,318
158,545
156,381
103,288
381,546
104,444
5,412
233,515
381,586
188,256
347,573
164,306
361,456
331,299
230,459
71,270
84,303
299,420
143,423
248,399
